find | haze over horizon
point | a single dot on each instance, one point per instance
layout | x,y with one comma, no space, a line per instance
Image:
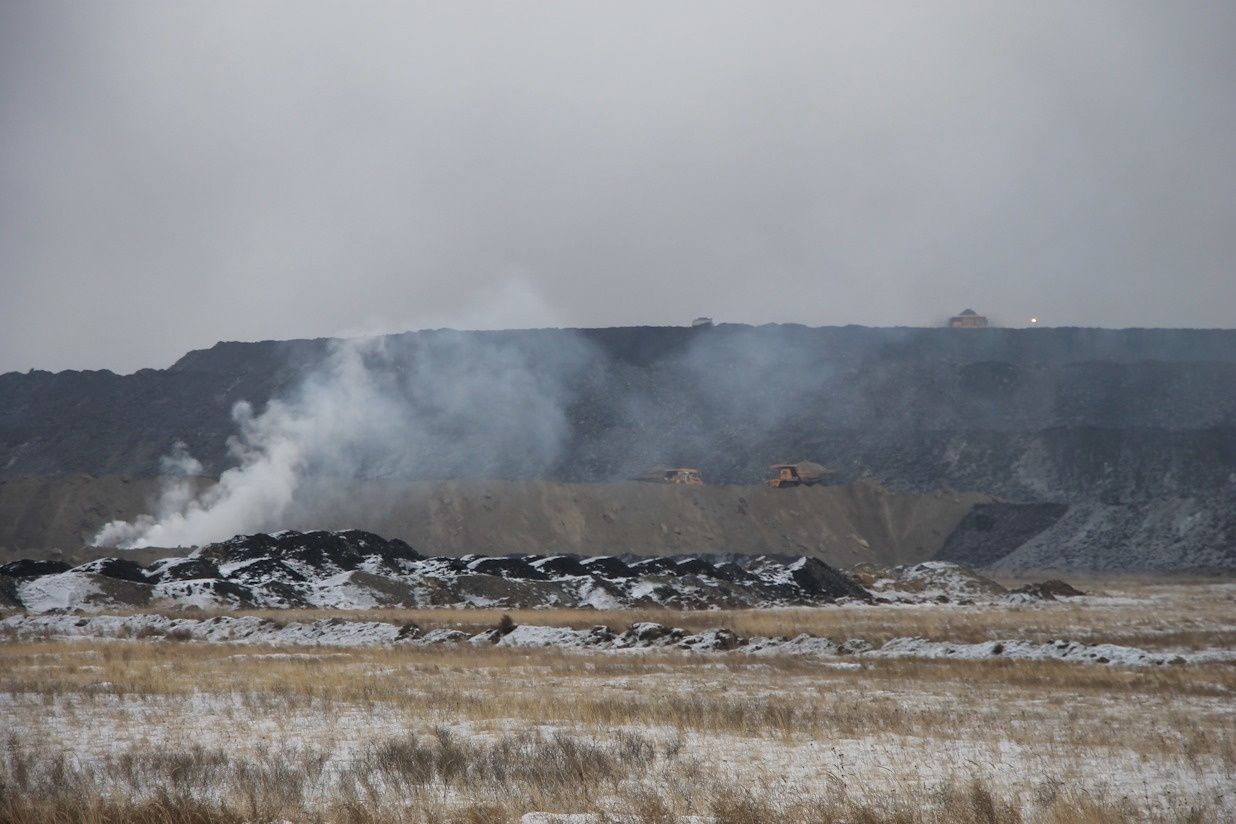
176,175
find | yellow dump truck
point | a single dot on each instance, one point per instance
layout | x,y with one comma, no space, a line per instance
803,473
684,475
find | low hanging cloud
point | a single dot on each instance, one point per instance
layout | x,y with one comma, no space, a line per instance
389,165
381,407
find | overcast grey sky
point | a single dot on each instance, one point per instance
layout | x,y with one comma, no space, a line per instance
173,174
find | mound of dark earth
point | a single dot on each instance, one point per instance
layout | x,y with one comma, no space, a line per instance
1027,414
990,531
360,570
32,568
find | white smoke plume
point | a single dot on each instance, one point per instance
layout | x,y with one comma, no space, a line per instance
444,403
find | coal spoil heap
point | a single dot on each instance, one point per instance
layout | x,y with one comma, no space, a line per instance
354,569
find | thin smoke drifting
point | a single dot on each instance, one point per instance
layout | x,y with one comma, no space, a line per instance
448,404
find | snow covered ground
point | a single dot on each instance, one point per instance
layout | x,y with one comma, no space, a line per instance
858,711
337,632
792,731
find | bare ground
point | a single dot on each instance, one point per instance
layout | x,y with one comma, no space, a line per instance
843,525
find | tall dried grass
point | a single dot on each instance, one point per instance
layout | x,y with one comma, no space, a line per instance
445,779
486,734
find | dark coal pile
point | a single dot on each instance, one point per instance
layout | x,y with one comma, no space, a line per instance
1132,430
31,568
1037,415
358,570
991,531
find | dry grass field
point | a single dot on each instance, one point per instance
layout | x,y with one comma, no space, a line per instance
155,730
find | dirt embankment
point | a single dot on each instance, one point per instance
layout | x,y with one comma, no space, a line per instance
842,525
40,514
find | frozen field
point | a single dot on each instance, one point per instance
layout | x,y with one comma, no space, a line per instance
465,731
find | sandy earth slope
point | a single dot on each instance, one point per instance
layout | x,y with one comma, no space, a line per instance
842,525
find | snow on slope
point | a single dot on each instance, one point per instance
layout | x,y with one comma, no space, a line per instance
359,570
934,581
66,590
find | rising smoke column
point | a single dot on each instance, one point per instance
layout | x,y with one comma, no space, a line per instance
442,404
